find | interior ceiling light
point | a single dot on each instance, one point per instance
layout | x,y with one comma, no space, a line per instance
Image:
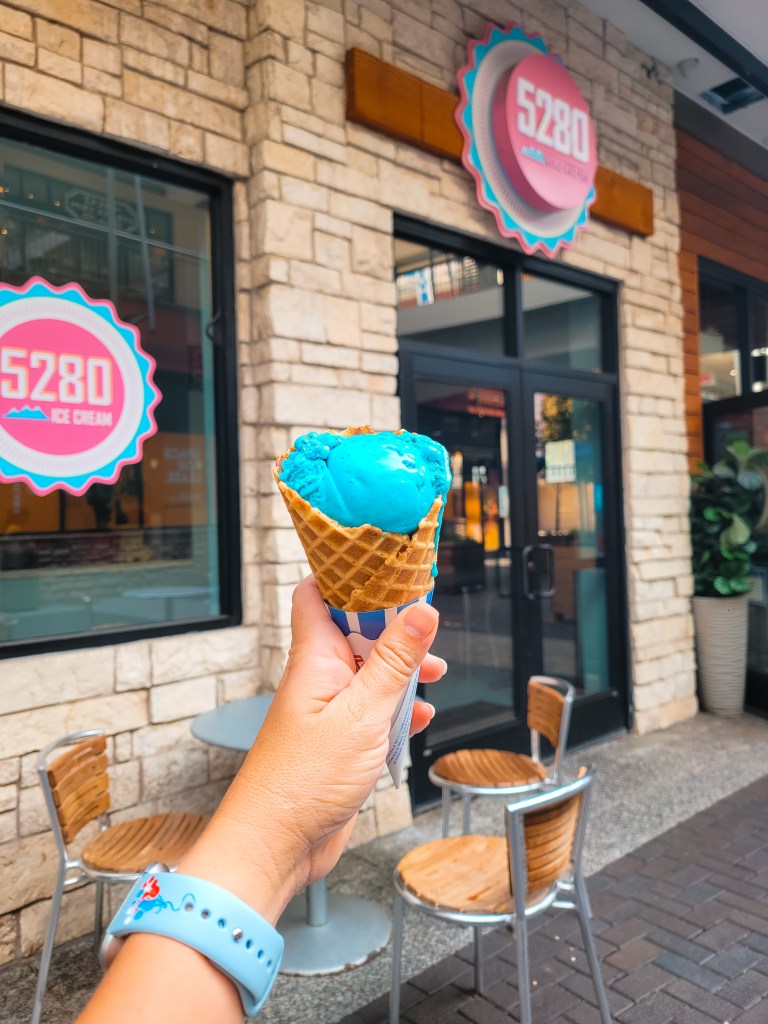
735,94
688,66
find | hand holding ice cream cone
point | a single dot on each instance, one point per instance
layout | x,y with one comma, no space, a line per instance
367,507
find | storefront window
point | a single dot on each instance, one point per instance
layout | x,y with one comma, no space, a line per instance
759,343
561,324
720,358
456,300
444,297
733,322
144,551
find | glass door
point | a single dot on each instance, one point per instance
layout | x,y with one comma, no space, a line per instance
473,591
572,558
530,561
481,700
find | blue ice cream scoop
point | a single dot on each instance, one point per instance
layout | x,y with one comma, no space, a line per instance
383,479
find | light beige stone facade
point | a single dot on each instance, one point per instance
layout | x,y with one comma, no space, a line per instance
254,89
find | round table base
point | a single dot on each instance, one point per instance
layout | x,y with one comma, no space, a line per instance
355,931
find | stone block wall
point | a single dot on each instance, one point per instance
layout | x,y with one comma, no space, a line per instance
168,77
255,90
324,297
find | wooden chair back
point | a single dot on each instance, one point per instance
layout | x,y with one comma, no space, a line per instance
79,785
545,707
550,835
549,838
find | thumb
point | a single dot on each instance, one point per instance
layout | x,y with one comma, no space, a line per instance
397,654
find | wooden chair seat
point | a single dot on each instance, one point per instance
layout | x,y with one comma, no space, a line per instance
131,846
469,874
497,769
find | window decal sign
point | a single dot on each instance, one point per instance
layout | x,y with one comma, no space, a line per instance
529,140
76,389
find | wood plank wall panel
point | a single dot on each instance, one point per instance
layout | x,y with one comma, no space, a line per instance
723,218
403,106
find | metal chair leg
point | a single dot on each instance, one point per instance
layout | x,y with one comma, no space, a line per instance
479,978
397,952
523,969
98,918
582,903
50,935
466,809
446,812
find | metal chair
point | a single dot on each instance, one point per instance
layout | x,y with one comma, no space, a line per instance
484,772
76,789
483,881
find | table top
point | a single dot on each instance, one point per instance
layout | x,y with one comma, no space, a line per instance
234,725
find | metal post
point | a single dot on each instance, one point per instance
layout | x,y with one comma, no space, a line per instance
479,982
317,904
466,809
99,914
397,952
446,812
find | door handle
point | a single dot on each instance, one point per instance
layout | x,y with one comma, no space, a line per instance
530,567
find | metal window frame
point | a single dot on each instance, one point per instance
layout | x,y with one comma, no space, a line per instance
748,290
514,264
56,138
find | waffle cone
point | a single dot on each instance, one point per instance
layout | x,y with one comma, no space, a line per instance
363,568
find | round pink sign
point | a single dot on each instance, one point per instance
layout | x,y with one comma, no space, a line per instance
76,389
544,134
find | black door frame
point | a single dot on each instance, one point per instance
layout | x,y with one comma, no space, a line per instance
609,711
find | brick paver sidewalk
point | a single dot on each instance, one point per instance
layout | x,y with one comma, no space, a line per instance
682,932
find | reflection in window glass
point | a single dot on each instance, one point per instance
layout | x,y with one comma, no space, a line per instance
720,363
570,507
448,299
759,343
562,324
750,425
473,589
144,550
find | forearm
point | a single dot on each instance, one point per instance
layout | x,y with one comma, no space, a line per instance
155,980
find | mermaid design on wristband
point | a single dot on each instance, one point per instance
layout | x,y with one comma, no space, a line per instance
149,898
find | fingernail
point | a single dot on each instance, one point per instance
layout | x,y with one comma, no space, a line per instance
444,664
420,620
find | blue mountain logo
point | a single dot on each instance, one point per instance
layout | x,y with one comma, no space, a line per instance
533,154
26,413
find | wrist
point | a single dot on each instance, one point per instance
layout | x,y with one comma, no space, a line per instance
263,874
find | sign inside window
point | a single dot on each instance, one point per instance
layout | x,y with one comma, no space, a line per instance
529,140
76,389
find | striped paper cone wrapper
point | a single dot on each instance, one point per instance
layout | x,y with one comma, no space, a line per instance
362,630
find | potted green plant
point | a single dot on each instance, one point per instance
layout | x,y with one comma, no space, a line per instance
727,507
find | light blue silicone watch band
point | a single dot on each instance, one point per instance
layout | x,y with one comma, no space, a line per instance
233,936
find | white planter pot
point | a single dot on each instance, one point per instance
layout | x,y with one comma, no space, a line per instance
721,652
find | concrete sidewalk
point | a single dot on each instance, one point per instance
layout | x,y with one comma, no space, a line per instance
645,785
